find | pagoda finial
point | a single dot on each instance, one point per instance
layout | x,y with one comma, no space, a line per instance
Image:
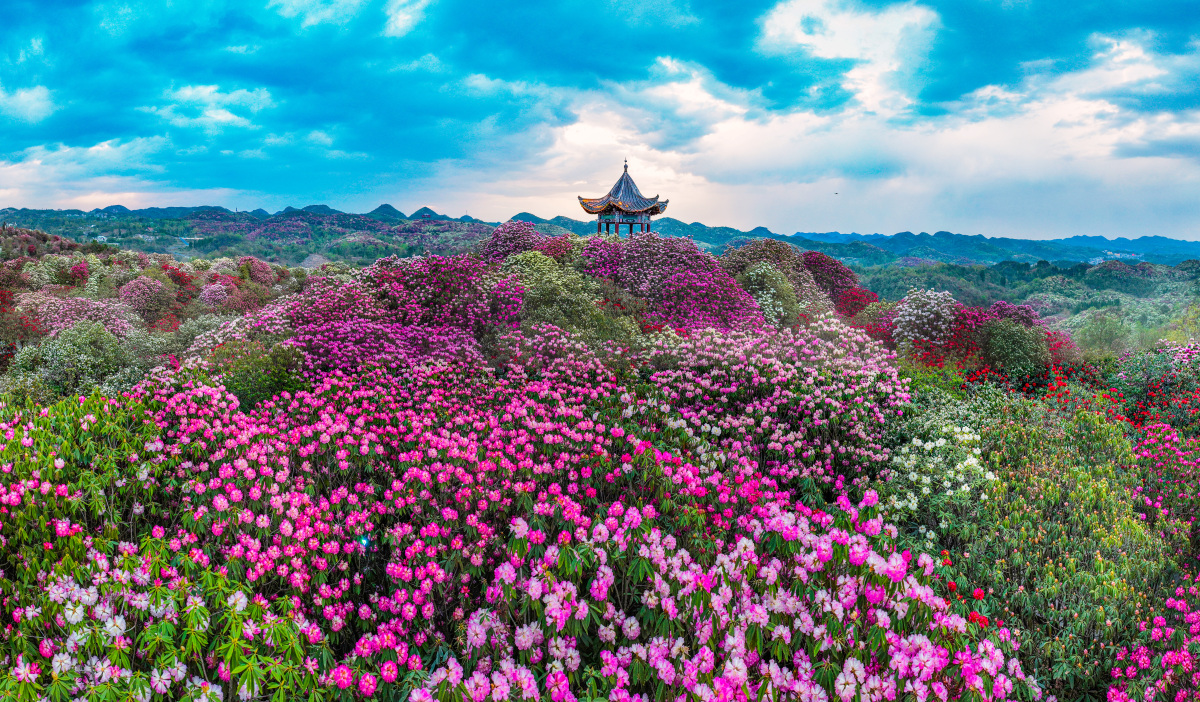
626,165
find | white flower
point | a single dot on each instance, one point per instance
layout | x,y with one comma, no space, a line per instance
237,601
61,663
115,627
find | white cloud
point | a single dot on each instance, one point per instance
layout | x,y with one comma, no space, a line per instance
884,42
108,173
26,104
207,108
320,138
1043,158
313,12
403,15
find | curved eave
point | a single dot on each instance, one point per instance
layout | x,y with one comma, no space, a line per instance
604,205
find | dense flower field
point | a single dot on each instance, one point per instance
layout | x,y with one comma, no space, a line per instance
578,469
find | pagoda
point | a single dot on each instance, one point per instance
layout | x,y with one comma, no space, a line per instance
624,204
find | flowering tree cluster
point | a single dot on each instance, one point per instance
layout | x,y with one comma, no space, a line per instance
576,469
376,517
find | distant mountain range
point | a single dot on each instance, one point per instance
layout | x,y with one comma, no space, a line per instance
323,230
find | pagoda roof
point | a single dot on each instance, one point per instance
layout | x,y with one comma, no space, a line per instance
624,197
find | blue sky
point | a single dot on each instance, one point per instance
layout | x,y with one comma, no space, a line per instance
997,117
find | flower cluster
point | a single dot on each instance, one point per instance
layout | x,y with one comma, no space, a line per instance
934,479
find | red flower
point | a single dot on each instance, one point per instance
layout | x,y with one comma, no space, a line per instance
978,594
953,586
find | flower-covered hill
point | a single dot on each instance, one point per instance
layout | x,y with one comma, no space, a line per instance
567,469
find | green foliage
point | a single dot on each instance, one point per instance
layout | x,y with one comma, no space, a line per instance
786,259
1018,350
253,373
1115,275
24,387
100,457
932,379
558,294
76,361
773,293
1056,541
1104,336
970,285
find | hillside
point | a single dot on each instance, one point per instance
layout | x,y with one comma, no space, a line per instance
292,235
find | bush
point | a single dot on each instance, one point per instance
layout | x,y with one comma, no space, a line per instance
24,387
684,287
554,294
260,272
148,297
90,575
511,237
784,397
1104,336
1056,543
933,485
54,314
832,276
788,260
937,380
773,293
1016,350
76,361
924,317
853,300
252,373
1161,385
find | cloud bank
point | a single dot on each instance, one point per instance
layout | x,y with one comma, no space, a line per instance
976,116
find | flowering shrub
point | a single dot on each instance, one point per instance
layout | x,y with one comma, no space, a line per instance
434,291
79,272
774,397
147,296
1160,385
56,314
877,320
100,613
15,328
1058,545
252,373
853,300
255,270
934,484
683,286
789,261
924,316
554,294
1161,663
1020,351
511,237
346,347
214,295
832,276
773,293
77,360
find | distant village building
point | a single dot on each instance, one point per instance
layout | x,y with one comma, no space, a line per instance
624,204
